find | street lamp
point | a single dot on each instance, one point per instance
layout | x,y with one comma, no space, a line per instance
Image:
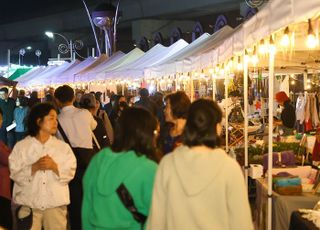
70,46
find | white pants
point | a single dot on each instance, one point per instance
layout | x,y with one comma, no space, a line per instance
49,219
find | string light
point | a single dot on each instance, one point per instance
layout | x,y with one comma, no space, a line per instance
285,40
262,47
312,41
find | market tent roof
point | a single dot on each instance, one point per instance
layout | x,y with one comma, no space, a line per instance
90,74
101,59
19,72
125,60
135,69
43,78
183,59
274,16
68,75
36,71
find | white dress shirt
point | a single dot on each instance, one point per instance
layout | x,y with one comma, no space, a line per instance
44,189
77,125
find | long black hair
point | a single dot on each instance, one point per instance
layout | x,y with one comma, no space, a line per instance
201,125
135,130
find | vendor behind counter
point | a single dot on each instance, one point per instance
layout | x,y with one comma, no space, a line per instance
288,114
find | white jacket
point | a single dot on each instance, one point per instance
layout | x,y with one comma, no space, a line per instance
199,188
44,189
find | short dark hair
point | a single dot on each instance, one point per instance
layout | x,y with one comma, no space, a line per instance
23,101
64,94
39,111
5,90
144,92
135,131
180,103
201,125
98,96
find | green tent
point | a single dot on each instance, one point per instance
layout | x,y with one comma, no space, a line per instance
18,73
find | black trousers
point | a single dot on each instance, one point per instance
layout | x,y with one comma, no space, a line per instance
5,213
76,192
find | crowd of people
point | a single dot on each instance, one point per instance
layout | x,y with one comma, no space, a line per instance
76,163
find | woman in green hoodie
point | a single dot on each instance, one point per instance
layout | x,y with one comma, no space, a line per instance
128,165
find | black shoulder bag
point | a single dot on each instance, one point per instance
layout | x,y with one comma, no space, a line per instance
128,202
83,155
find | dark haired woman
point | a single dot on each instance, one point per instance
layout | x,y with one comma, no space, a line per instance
20,114
175,113
119,105
128,162
199,186
41,167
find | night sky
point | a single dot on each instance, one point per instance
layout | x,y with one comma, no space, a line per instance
16,10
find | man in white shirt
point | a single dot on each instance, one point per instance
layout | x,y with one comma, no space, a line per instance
76,127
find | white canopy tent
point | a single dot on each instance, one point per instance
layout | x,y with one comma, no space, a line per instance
156,69
90,74
32,73
135,69
67,76
44,78
123,61
184,61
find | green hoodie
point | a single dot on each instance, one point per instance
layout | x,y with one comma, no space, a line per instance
101,206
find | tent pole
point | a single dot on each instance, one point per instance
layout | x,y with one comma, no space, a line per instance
270,149
214,86
191,88
246,121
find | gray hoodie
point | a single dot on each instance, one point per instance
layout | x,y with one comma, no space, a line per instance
199,188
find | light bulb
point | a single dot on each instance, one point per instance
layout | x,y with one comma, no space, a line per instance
254,58
246,56
285,40
312,41
293,82
262,47
239,64
217,69
272,47
230,64
308,81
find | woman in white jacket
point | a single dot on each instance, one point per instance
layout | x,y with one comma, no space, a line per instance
41,167
199,186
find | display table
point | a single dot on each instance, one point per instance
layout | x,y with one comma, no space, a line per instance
297,222
282,206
